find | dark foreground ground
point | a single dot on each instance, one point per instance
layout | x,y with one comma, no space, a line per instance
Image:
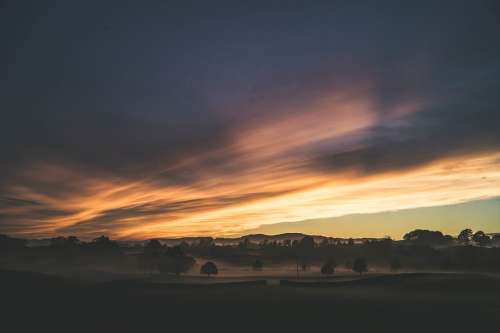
397,303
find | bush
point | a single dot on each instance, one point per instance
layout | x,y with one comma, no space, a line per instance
209,268
360,266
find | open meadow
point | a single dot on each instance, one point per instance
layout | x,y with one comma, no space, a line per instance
393,302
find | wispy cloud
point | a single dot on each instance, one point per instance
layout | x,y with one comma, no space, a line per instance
196,120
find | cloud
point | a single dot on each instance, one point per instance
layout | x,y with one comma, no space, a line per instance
7,202
127,216
241,116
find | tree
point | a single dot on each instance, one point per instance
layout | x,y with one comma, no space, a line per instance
496,239
304,262
151,258
153,248
307,243
297,260
257,265
328,267
64,242
481,238
464,236
104,243
324,243
448,239
395,264
244,244
360,266
206,242
153,244
175,264
209,268
425,237
184,246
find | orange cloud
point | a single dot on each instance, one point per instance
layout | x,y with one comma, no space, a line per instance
263,176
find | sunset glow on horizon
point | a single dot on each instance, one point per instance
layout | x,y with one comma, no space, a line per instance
194,121
270,178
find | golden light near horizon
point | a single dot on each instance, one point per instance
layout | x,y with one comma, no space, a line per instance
294,198
474,178
141,127
270,178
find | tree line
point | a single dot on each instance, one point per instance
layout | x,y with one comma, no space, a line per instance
419,249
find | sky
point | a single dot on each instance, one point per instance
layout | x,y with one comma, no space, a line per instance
220,118
448,219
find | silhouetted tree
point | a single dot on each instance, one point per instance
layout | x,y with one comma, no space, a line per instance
307,243
73,240
448,239
387,242
324,243
184,246
206,242
481,238
257,265
209,268
150,259
104,242
64,242
245,244
425,237
496,239
304,262
154,245
297,260
175,261
328,267
350,242
360,265
464,236
304,266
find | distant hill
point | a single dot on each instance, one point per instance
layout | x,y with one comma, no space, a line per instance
255,238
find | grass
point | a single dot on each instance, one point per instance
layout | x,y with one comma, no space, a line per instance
404,302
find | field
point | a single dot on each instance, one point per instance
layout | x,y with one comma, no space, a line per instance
398,302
